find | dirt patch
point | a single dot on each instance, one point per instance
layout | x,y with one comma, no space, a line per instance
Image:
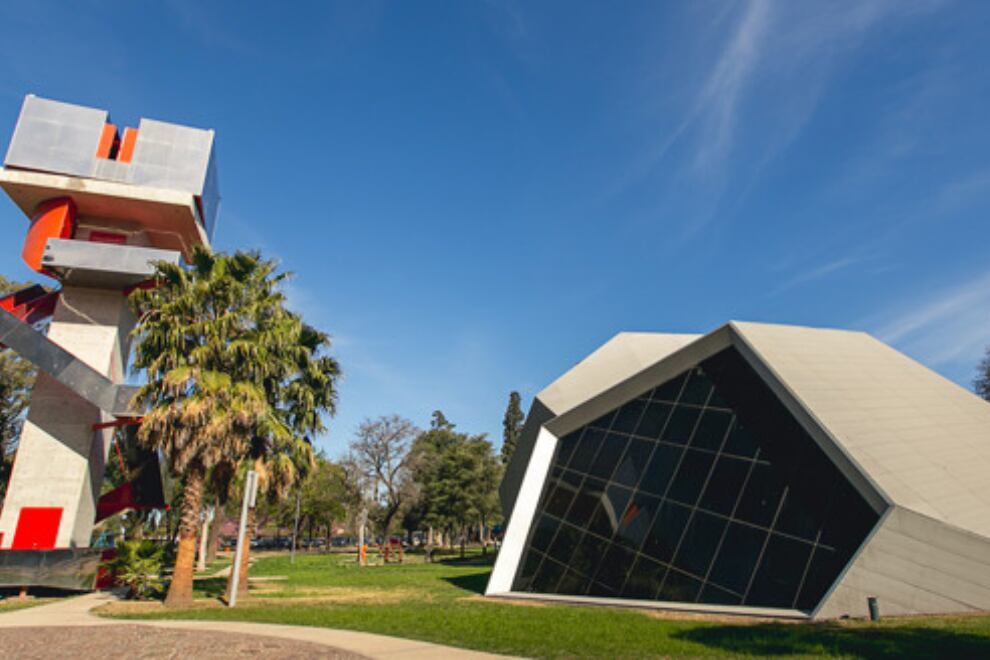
262,596
126,607
739,619
343,596
522,602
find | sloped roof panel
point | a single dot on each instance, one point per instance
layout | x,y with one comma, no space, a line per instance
922,439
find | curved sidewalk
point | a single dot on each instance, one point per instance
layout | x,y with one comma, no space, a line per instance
76,612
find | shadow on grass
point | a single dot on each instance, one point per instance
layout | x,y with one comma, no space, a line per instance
473,583
470,560
864,642
211,587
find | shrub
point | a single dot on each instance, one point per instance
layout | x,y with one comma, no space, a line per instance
138,566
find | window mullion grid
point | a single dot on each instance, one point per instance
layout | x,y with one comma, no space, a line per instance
766,541
725,531
541,506
693,507
609,481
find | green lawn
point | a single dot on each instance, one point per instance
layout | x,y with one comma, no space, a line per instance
12,603
442,603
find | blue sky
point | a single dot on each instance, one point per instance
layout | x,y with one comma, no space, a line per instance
475,195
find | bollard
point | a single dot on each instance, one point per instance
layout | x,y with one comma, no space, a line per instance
871,601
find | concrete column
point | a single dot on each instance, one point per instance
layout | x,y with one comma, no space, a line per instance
60,459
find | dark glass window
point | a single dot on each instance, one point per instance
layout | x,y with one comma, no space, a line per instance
661,469
725,484
740,442
662,540
703,490
699,543
780,572
613,570
611,508
670,390
737,557
588,555
633,463
644,579
608,456
654,419
586,450
761,497
628,416
566,448
691,476
560,498
637,519
548,576
697,389
711,429
714,595
546,528
681,425
679,587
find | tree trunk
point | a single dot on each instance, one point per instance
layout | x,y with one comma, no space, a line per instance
214,541
242,579
203,534
180,591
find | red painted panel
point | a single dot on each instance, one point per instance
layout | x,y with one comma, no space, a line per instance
127,145
55,218
105,148
96,236
37,528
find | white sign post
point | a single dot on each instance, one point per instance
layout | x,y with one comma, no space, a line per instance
250,493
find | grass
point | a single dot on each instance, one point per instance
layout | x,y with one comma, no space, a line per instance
442,603
12,604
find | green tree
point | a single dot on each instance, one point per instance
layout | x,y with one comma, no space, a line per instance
323,496
456,475
215,341
982,381
512,425
16,380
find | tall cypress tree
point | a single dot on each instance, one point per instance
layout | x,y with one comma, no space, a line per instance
512,425
982,381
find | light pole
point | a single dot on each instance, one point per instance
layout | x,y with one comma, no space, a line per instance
250,493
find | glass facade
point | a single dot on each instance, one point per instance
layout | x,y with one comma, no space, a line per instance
702,490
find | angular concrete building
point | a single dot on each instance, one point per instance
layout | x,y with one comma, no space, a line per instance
758,469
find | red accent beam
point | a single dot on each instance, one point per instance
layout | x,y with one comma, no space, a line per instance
117,423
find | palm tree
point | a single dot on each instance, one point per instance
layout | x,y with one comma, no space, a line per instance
300,389
201,340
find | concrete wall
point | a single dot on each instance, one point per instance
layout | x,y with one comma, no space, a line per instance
914,564
60,459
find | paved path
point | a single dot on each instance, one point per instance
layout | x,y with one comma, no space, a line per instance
75,613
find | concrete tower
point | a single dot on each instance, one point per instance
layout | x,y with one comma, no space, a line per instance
103,205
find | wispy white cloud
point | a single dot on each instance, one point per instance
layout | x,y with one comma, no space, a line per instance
767,74
943,327
814,274
720,97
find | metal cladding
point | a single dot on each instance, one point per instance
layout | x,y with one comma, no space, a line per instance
759,469
61,138
106,207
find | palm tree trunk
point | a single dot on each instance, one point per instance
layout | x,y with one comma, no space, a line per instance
214,540
180,591
242,578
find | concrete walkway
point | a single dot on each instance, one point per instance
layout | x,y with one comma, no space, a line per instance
76,612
